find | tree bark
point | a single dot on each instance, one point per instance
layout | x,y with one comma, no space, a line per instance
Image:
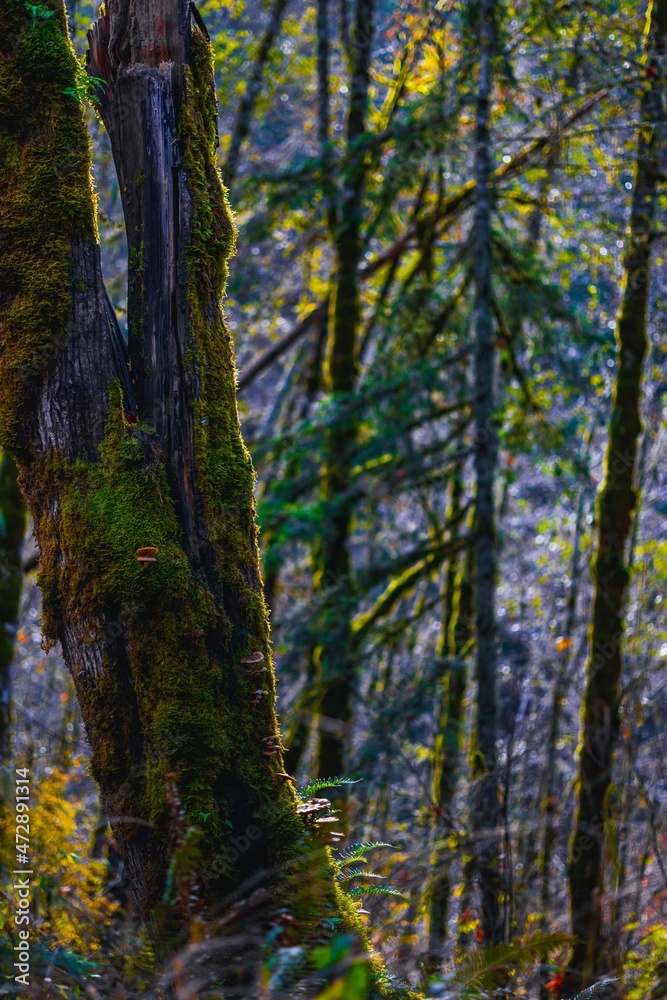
453,643
323,113
160,113
12,532
169,646
617,501
486,807
549,804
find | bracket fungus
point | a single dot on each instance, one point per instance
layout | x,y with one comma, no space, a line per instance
147,554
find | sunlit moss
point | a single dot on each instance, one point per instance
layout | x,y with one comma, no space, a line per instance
45,196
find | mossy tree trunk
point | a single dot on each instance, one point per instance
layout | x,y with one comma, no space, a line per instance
168,648
12,533
617,501
486,813
193,619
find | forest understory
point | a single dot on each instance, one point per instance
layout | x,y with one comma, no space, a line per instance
333,500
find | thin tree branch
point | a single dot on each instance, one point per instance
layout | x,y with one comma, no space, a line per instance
246,107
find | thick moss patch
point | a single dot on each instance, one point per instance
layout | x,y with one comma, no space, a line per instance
45,196
225,473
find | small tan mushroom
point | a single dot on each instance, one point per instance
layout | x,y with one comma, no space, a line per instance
255,658
284,777
147,554
272,743
305,809
312,806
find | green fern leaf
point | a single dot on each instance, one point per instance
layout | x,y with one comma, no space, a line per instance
355,854
344,875
320,783
487,969
373,890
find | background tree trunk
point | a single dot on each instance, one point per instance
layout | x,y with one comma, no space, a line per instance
333,567
486,807
453,644
617,501
246,108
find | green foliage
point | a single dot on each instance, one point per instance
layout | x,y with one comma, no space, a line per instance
343,875
86,87
355,853
373,890
319,784
36,11
646,963
75,915
344,872
487,969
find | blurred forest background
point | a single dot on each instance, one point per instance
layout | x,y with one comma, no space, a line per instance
377,495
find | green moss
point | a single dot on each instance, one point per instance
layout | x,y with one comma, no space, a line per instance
45,196
225,474
107,511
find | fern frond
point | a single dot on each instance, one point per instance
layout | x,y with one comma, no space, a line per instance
373,890
313,787
354,854
486,969
344,875
593,990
